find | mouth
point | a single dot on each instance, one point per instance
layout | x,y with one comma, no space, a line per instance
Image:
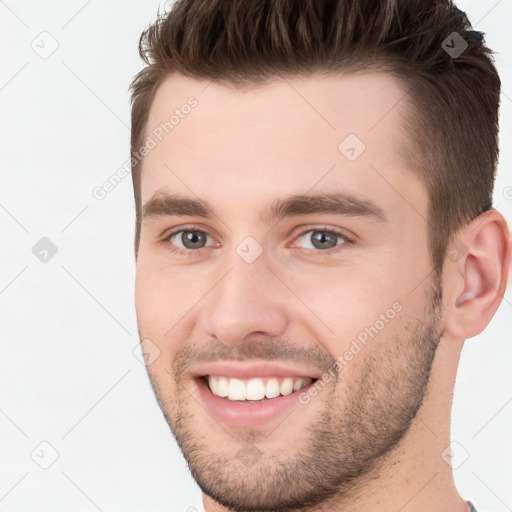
251,398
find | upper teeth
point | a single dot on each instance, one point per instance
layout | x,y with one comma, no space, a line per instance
254,389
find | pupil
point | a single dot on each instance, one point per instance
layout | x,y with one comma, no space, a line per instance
193,239
319,239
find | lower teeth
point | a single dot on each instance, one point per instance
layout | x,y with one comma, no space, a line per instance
248,401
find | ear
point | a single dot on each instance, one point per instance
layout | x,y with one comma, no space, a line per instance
476,270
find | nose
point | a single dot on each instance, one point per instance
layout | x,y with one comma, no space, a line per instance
248,299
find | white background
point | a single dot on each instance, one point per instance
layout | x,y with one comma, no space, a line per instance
69,376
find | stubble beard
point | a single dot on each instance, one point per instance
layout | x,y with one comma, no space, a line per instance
360,423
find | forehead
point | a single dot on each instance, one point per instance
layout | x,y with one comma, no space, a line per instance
293,133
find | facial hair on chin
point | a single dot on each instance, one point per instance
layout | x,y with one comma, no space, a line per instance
360,423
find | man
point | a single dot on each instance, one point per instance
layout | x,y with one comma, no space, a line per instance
315,241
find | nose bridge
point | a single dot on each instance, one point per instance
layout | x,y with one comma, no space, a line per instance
246,299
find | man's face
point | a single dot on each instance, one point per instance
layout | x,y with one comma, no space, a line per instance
259,295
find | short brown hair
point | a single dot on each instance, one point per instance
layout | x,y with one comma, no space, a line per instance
453,100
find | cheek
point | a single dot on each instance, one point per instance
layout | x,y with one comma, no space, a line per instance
165,298
155,307
347,300
163,293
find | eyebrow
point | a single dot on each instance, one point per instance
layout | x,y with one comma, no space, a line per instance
163,204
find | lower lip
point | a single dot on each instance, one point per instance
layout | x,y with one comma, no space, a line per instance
247,414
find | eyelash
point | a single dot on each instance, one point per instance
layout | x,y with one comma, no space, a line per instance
309,252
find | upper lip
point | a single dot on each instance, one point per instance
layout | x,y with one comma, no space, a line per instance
240,370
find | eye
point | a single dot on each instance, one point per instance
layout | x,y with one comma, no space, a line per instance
189,239
323,239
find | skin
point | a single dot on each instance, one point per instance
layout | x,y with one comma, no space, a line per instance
373,438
